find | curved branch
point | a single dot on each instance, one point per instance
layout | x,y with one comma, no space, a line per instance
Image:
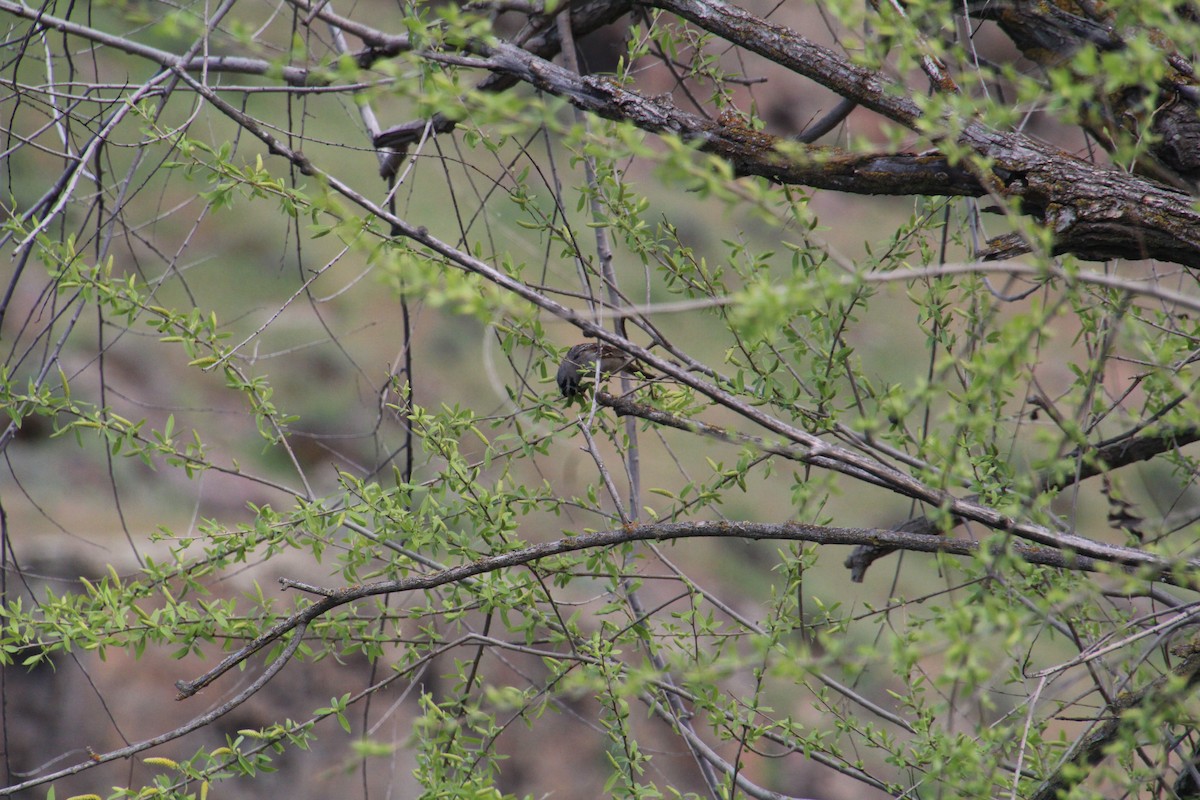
195,724
671,531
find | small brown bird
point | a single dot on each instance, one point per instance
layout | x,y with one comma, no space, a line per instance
581,360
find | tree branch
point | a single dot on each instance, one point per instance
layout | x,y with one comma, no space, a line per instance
298,624
655,532
1168,124
1095,213
1090,750
1121,453
293,76
1113,455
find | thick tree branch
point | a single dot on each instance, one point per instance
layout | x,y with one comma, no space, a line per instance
1095,213
751,152
1121,453
785,47
1049,34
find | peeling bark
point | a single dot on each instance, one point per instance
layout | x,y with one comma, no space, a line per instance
1051,33
1095,212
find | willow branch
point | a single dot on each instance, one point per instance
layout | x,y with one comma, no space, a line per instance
1163,692
1109,456
298,624
663,532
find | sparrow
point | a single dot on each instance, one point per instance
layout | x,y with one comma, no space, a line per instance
580,363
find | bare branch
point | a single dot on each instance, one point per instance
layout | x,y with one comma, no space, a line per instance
293,76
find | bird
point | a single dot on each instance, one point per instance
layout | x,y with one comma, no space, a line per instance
580,363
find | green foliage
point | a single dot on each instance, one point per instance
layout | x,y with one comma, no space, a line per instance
438,526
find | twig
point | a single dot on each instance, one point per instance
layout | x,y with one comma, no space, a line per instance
199,722
711,756
603,470
1184,617
1090,750
294,76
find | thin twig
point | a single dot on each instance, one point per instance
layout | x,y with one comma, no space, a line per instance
195,724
